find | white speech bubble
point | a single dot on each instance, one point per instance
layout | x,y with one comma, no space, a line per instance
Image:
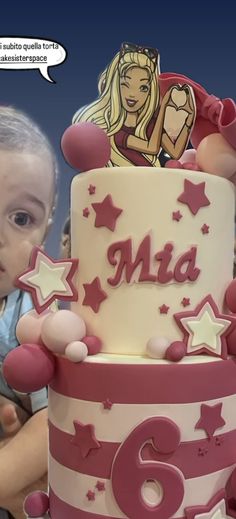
30,53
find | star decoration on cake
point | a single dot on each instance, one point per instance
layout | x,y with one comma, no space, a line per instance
85,438
106,213
210,419
107,404
185,301
205,229
91,189
86,212
94,295
164,309
194,196
48,280
205,328
176,215
100,486
90,495
215,509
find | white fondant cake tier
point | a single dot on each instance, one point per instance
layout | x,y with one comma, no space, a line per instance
150,241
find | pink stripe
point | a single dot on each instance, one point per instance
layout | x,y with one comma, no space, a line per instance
194,458
146,383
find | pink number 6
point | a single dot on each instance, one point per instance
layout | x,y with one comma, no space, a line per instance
129,472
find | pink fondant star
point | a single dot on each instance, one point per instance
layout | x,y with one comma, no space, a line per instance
215,509
194,196
47,279
185,301
205,328
205,229
164,309
176,215
86,212
107,404
91,189
106,213
94,294
85,438
100,486
90,495
210,419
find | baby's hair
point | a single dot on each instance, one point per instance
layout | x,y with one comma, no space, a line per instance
19,133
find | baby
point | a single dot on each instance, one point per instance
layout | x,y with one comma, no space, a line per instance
28,177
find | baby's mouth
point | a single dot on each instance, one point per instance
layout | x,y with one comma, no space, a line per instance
131,102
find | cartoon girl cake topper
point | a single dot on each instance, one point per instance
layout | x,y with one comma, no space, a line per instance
139,124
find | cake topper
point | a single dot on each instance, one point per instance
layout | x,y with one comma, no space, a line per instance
129,109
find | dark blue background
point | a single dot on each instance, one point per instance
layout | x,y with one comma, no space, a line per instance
192,39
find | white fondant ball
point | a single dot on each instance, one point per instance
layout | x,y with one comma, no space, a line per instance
76,351
157,346
215,155
61,328
28,329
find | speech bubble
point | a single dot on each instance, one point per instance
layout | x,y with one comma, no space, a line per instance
30,53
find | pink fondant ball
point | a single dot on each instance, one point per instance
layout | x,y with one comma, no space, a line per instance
85,146
29,367
188,156
36,504
28,329
93,343
76,351
215,155
157,346
176,351
61,328
231,342
230,296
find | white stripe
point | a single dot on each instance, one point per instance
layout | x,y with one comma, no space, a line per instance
72,487
114,425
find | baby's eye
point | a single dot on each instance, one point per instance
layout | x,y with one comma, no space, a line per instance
144,88
22,219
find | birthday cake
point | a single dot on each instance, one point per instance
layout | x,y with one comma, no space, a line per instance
141,371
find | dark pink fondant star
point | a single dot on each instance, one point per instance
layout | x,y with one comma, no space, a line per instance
185,301
107,404
194,196
100,486
85,438
94,295
176,215
86,212
91,189
164,309
210,419
90,495
106,213
216,508
205,229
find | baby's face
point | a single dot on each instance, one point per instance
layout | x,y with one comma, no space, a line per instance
26,196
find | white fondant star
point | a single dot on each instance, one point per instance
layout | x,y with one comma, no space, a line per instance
48,279
205,330
217,512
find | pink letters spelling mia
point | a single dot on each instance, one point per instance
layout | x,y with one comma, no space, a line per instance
119,254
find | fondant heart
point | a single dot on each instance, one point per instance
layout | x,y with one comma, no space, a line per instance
179,97
174,121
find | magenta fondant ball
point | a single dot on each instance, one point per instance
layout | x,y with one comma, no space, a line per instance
176,351
231,342
215,155
85,146
61,328
36,504
93,343
29,367
230,296
28,329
